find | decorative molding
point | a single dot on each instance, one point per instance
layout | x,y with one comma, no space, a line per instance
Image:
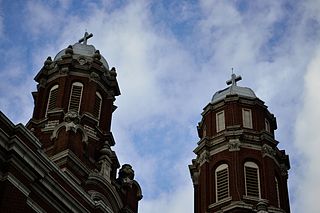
105,163
90,132
71,123
267,151
203,157
195,177
100,200
42,83
76,161
272,209
64,71
82,60
94,76
50,125
234,145
262,206
34,206
12,179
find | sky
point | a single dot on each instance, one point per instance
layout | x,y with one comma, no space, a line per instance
171,56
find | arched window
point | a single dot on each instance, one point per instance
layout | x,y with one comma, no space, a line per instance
75,96
97,106
277,191
222,182
52,99
252,180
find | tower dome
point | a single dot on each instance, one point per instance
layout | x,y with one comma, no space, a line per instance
83,52
233,90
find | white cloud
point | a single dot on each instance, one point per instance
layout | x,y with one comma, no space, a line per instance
307,140
178,200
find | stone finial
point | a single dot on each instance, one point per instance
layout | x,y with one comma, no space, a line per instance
48,61
97,55
113,72
69,50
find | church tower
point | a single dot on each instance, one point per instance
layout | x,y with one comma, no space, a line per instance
238,167
72,117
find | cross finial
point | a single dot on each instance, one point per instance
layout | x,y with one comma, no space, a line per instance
85,37
234,79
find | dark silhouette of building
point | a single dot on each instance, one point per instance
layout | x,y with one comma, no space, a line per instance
62,160
238,166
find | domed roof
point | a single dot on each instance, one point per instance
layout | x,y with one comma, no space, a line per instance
233,90
83,49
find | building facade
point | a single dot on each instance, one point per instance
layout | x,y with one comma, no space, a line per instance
238,167
62,160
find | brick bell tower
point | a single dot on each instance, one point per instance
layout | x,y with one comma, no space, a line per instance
238,166
72,116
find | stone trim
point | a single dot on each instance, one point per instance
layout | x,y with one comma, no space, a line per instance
34,206
225,200
236,204
69,154
12,179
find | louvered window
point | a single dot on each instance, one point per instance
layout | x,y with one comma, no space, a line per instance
247,118
97,105
222,182
52,99
220,121
252,179
278,192
75,97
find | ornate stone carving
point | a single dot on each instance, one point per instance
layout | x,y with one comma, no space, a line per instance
64,70
267,150
126,175
94,76
82,60
71,123
234,145
204,157
104,163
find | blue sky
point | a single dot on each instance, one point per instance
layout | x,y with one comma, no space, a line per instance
171,57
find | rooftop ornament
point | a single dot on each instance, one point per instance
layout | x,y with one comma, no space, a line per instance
234,79
85,38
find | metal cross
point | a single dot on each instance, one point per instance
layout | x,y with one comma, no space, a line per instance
234,80
85,37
